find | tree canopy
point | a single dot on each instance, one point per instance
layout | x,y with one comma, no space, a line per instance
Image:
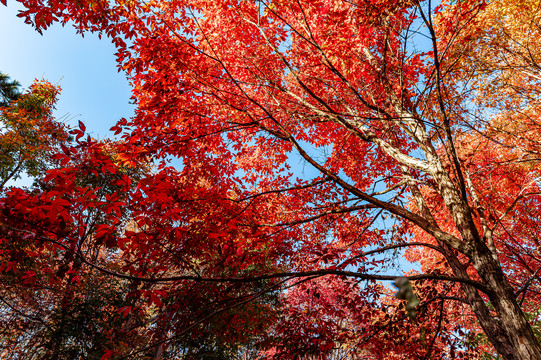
9,90
286,159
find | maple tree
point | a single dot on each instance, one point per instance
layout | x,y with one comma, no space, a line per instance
435,151
51,307
30,135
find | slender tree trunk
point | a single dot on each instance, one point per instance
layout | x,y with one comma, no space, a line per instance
514,323
491,326
510,334
4,181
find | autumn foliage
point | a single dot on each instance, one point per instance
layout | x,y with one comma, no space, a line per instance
285,162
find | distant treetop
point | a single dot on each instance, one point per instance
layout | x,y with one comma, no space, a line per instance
9,90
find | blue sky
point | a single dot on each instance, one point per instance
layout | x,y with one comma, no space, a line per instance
93,91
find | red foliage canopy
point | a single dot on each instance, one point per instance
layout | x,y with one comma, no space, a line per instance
281,157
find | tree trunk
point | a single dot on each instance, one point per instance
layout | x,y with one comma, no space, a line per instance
520,342
514,323
491,326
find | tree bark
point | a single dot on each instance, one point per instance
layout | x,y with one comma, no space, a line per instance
514,323
520,337
491,326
